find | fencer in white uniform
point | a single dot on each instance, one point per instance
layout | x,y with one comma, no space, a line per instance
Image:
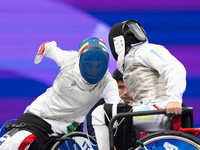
153,76
83,80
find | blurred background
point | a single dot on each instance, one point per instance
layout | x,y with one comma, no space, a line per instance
25,25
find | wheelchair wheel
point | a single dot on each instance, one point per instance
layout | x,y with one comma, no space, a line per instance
75,141
168,140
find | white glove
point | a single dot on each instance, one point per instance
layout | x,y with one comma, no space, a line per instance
40,53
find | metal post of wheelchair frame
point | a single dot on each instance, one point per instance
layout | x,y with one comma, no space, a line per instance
132,114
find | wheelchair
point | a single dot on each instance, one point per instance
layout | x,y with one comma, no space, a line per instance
76,140
179,138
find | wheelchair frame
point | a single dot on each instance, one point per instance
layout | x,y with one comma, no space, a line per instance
176,122
70,136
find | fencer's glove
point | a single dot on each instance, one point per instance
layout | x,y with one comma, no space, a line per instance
40,53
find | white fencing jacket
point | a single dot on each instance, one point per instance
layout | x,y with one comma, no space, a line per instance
71,97
151,72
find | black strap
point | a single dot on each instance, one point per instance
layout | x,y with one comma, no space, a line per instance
125,135
108,110
32,123
36,121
